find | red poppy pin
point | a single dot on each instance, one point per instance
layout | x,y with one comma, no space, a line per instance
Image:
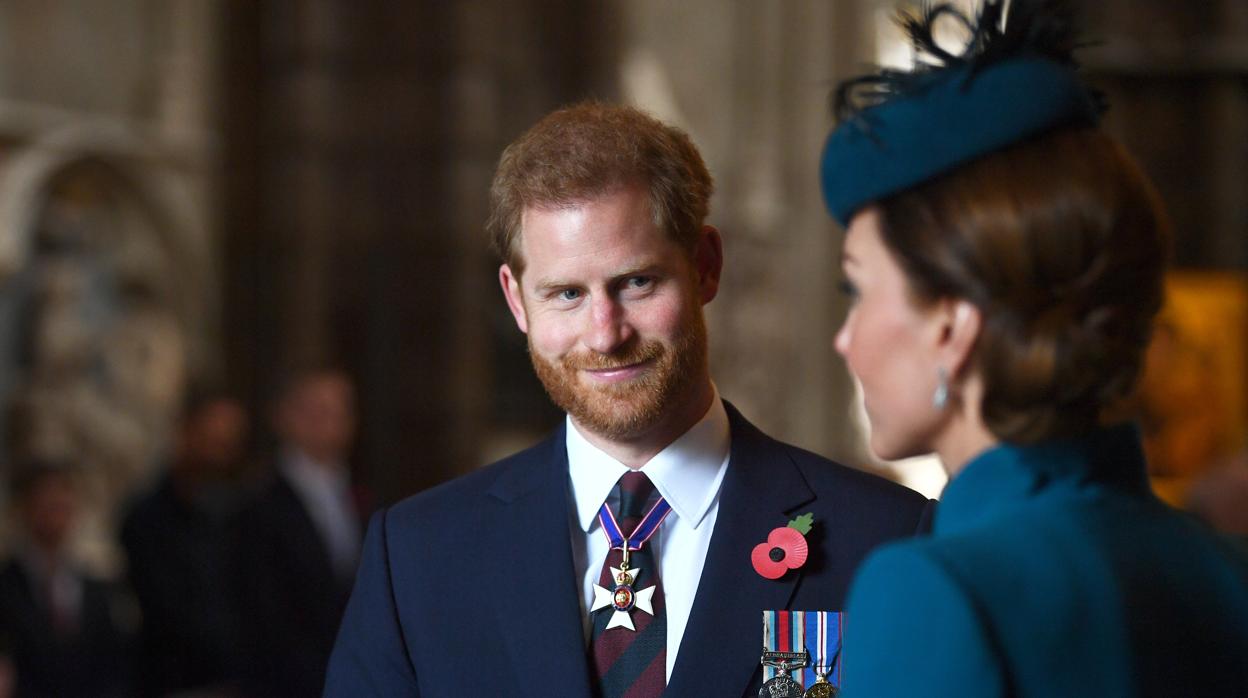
785,548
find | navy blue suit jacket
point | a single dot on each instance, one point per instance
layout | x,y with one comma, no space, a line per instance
469,588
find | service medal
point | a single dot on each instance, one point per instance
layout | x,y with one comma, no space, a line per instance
781,687
821,689
784,655
823,641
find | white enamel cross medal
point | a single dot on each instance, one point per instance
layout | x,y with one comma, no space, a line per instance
623,598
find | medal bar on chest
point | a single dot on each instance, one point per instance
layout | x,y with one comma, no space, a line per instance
800,652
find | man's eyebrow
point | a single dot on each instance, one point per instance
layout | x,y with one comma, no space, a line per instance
545,285
638,270
553,284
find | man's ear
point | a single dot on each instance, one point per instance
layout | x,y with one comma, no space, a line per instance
962,322
708,260
515,301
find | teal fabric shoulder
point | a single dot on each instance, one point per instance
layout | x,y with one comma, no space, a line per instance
913,630
1052,571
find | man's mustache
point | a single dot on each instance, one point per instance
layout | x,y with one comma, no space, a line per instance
593,361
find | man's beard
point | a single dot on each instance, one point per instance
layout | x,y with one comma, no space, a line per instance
629,408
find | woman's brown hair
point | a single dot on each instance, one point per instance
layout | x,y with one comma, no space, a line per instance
1061,242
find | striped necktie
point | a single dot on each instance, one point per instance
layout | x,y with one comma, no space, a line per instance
628,663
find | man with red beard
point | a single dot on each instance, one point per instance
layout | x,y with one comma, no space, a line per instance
617,557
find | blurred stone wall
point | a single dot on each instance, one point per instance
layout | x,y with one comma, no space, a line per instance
1176,76
107,270
361,139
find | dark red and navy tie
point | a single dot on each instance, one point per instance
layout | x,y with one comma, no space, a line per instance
628,663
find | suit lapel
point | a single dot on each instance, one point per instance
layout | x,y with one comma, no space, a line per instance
720,650
538,602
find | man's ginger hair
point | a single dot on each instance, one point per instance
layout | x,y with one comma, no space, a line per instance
592,149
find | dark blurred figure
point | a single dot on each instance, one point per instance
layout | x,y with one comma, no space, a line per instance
1220,497
176,538
299,540
64,626
8,672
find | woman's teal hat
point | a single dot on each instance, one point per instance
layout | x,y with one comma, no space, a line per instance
901,128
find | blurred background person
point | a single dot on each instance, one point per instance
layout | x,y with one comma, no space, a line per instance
298,540
68,631
176,542
1220,497
8,673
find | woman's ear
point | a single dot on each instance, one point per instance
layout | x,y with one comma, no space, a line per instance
962,323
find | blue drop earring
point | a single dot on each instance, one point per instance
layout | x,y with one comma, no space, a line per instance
940,398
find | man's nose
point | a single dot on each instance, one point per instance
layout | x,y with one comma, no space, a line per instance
608,326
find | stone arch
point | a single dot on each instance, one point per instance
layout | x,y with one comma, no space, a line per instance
27,171
109,318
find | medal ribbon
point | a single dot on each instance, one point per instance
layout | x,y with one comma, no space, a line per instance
645,528
783,631
823,641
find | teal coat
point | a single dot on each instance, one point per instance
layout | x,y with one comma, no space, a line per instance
1052,571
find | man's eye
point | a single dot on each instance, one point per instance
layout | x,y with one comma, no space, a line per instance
569,294
639,281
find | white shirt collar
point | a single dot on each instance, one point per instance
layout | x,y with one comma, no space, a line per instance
687,473
310,476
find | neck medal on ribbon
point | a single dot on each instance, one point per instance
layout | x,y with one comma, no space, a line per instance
800,649
623,598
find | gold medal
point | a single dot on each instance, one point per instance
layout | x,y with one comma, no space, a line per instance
821,689
823,664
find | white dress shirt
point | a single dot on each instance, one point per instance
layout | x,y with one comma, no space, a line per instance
688,474
325,491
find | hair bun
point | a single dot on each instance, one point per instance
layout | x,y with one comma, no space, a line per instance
1061,242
